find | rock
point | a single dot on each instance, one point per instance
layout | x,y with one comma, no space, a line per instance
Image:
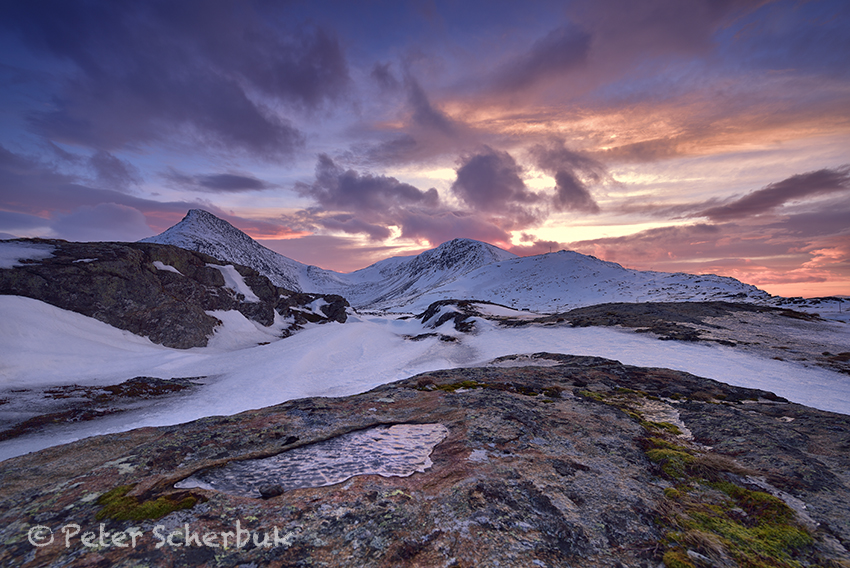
524,477
269,490
158,291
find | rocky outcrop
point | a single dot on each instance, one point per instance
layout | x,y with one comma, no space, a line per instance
772,332
158,291
562,461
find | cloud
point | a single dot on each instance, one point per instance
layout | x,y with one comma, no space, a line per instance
443,226
23,225
344,254
351,225
114,172
809,184
151,71
385,78
101,222
355,203
571,192
627,30
489,181
424,113
33,188
337,189
217,183
536,247
808,247
561,50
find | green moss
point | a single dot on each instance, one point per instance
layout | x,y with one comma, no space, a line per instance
766,544
673,462
597,396
757,504
672,493
755,529
117,505
676,559
655,443
705,512
467,384
553,392
661,427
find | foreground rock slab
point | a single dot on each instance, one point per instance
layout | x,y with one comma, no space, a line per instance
557,461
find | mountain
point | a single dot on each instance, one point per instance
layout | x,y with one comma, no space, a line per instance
402,281
566,279
202,231
460,269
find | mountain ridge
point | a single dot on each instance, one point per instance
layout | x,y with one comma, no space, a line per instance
461,269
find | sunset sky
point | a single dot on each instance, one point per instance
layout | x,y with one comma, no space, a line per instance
703,136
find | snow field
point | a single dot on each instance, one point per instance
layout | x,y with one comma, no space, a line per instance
43,345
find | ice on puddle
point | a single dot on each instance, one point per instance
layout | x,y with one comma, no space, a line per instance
390,451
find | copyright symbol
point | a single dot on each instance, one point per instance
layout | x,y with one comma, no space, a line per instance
40,535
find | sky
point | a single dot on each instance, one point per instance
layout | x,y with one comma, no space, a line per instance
701,136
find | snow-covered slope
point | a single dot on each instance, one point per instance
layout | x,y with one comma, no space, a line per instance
42,346
566,279
204,232
400,281
460,269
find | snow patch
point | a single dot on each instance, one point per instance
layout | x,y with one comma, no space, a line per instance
238,332
159,265
13,253
44,345
234,281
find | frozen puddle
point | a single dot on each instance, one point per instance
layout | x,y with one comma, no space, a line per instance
390,451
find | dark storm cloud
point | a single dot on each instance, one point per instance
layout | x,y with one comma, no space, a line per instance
571,192
795,187
346,190
153,69
490,181
20,222
656,27
561,50
217,183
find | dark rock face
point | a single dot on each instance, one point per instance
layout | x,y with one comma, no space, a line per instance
458,312
119,284
542,465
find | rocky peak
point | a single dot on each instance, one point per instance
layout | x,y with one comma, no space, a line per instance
204,232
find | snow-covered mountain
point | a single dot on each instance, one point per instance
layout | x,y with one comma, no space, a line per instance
400,281
565,280
202,231
460,269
